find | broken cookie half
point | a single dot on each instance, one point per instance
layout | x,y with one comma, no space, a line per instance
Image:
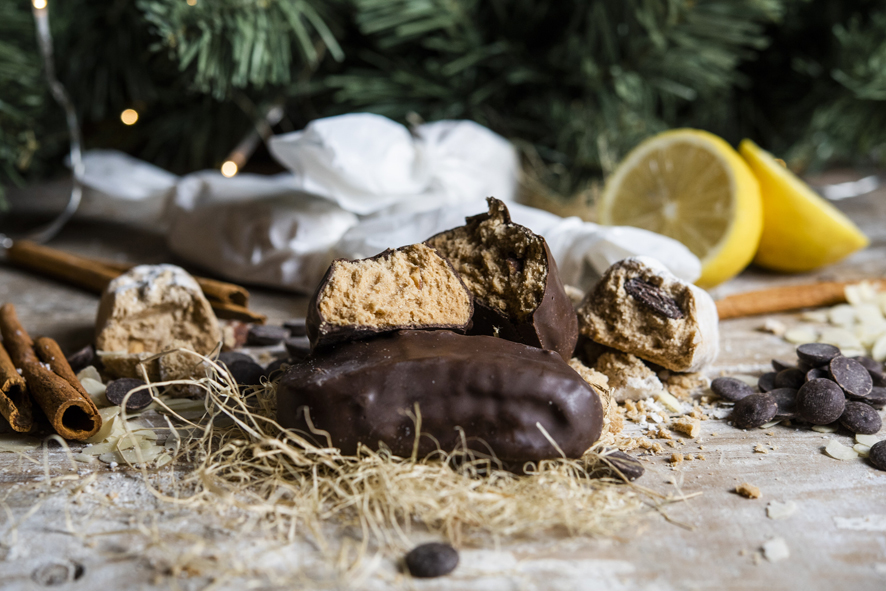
639,307
412,287
510,271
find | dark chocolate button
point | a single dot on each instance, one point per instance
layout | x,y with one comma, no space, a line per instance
767,381
876,398
297,327
276,366
877,455
851,376
731,389
858,417
753,411
298,347
117,390
246,373
818,372
820,401
229,357
875,368
82,358
817,354
431,560
630,467
879,381
790,378
778,365
786,399
263,335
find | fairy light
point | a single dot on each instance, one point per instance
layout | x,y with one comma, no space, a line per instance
190,2
39,4
129,117
229,168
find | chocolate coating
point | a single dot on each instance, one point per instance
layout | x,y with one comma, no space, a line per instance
553,325
496,390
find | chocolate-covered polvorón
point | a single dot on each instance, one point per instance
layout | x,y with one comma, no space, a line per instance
495,390
512,274
412,287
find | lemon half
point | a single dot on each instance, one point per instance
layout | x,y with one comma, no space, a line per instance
801,231
692,186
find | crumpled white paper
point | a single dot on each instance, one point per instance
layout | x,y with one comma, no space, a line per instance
359,184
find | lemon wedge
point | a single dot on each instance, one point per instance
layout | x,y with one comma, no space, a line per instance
801,231
692,186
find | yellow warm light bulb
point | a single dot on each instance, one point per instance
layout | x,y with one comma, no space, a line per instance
192,2
39,4
129,116
229,168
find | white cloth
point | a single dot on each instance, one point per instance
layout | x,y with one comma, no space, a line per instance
359,184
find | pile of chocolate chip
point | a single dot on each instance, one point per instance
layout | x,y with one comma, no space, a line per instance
824,388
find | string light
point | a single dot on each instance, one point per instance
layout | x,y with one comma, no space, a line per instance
129,117
192,2
39,4
229,168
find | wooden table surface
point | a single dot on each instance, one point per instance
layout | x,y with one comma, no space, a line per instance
111,537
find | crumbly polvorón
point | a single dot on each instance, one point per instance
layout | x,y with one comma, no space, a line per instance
629,378
151,309
510,271
410,287
640,308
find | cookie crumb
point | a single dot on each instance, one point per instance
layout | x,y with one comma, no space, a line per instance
748,490
676,458
687,426
759,449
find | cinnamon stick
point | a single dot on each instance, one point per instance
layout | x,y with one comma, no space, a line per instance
15,404
785,299
51,354
95,274
72,415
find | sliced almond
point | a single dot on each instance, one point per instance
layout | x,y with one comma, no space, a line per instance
862,450
878,351
842,315
838,451
840,337
776,510
868,440
832,428
800,335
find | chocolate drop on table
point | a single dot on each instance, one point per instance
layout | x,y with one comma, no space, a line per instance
875,368
82,358
786,399
779,365
790,378
630,467
117,390
246,373
820,402
858,417
876,398
818,372
298,347
431,560
754,410
767,381
851,376
297,327
877,455
264,335
817,354
731,389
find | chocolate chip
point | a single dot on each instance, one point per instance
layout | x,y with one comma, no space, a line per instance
82,358
653,298
297,327
753,411
117,390
817,353
818,372
786,399
229,357
879,381
263,335
790,378
877,455
731,389
298,347
767,381
851,376
875,368
630,467
780,365
858,417
276,366
820,402
876,398
431,560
